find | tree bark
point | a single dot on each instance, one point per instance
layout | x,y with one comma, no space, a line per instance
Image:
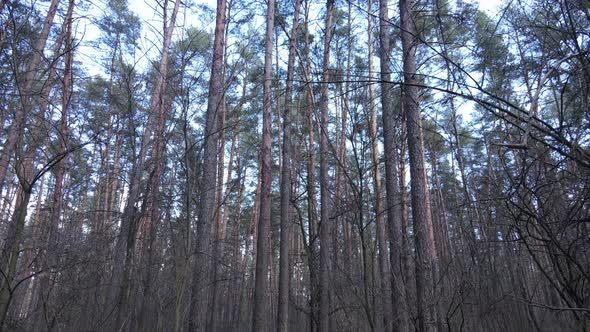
384,308
325,224
399,312
426,256
11,248
17,127
311,242
286,182
261,287
50,260
208,180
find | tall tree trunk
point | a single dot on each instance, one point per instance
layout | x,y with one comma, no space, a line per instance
112,205
50,259
17,127
426,256
399,312
60,169
261,288
238,274
311,243
325,224
208,180
218,227
153,137
28,300
125,243
340,187
101,201
286,182
183,251
383,311
39,133
11,248
12,252
252,230
406,252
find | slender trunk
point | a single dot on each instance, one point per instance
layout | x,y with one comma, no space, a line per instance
182,273
325,225
399,313
342,188
261,288
125,243
443,244
159,108
405,251
10,195
216,230
286,186
27,171
245,295
10,253
17,127
426,256
383,310
219,222
312,242
455,143
131,219
208,181
340,191
238,272
228,185
102,194
60,167
112,206
40,131
28,298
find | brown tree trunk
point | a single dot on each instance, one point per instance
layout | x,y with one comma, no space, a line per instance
208,181
440,226
11,248
406,251
219,307
383,310
132,220
63,133
102,188
228,185
325,224
11,251
39,132
17,127
399,315
28,300
160,107
426,256
238,272
60,167
220,214
286,182
261,288
112,204
311,243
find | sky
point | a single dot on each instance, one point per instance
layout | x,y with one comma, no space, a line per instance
88,31
489,5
